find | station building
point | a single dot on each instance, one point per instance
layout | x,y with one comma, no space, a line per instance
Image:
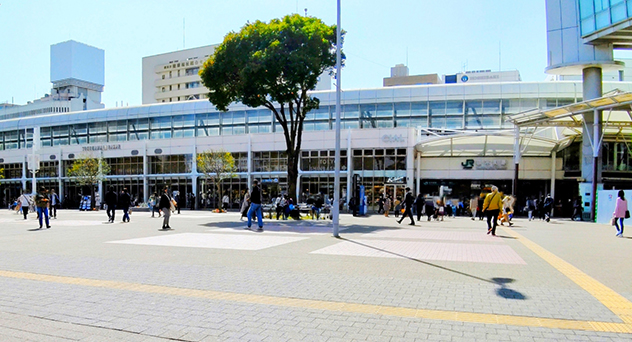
423,136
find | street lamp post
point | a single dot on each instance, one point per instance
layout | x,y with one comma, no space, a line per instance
336,202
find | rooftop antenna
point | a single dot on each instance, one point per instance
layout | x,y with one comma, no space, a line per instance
183,46
406,55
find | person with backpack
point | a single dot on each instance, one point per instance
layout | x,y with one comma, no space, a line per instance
491,208
42,201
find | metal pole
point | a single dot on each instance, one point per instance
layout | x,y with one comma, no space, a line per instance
336,203
596,146
516,161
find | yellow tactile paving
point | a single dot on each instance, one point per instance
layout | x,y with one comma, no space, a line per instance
333,306
615,302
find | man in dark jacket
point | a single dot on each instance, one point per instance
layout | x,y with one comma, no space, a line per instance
111,200
255,206
408,206
124,202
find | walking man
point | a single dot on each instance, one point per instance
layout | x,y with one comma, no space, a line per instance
165,205
24,203
408,206
255,206
491,208
110,200
124,202
54,203
42,201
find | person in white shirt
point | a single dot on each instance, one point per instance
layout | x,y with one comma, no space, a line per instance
24,204
225,201
54,203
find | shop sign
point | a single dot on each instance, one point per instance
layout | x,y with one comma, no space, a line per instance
396,180
102,147
270,180
393,138
495,164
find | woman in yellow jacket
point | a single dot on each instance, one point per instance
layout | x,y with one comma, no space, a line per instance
491,208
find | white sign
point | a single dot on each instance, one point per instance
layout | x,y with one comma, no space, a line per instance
496,164
102,147
392,138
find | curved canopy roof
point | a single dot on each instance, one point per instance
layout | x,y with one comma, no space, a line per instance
533,143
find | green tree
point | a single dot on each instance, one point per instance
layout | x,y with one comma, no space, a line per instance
273,65
89,171
217,166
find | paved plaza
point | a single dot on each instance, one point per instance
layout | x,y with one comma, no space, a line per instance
209,279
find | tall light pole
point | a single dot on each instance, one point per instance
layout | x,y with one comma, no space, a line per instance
336,202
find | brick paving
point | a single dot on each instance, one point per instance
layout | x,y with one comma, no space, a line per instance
282,264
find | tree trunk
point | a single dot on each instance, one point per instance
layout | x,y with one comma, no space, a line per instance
292,174
92,199
219,195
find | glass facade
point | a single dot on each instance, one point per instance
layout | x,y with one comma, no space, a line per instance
599,14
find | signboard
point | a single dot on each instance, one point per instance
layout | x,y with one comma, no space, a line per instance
102,147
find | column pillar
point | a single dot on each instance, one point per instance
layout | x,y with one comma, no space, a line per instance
24,174
194,175
410,166
250,163
418,185
592,88
553,169
60,169
145,169
517,157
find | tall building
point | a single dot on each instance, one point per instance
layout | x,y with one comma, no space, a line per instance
77,72
173,76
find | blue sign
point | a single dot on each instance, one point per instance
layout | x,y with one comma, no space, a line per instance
464,78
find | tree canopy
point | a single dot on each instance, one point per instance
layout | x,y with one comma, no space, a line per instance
273,65
216,165
89,170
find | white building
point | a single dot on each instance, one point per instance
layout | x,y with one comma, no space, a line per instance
77,72
173,76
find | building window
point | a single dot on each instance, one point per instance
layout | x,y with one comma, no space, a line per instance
163,76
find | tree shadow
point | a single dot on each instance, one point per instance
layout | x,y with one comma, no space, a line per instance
293,226
503,291
506,292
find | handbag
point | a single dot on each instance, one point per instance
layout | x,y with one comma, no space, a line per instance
627,214
613,221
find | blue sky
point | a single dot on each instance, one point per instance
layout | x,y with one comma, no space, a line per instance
441,37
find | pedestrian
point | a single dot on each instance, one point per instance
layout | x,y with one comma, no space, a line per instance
398,207
280,207
479,207
491,208
548,207
408,207
380,205
42,201
225,201
540,207
318,205
24,203
166,205
124,202
577,209
111,199
387,205
507,211
429,208
530,207
255,206
54,204
176,198
245,205
473,206
620,213
419,205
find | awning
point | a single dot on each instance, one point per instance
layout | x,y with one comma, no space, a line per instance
534,142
